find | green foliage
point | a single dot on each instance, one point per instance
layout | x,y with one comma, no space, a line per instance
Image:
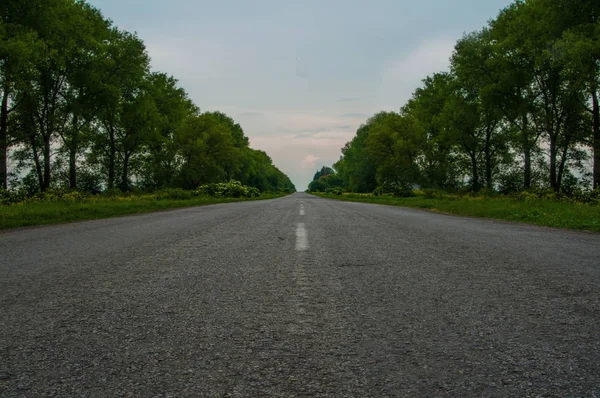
326,181
12,197
232,189
432,193
335,191
86,111
94,207
399,190
324,172
518,109
552,213
174,194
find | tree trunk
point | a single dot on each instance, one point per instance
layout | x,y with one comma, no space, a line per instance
526,155
125,175
72,168
46,152
488,159
111,157
596,116
561,168
36,159
4,139
553,153
73,155
475,172
563,163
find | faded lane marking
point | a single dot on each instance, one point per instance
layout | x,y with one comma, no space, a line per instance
301,212
301,238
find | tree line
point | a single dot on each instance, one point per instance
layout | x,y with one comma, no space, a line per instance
518,109
81,108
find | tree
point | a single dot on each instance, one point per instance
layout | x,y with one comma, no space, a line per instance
395,141
324,171
19,47
173,107
438,161
359,172
206,143
124,69
487,139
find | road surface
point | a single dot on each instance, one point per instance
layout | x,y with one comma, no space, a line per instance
299,296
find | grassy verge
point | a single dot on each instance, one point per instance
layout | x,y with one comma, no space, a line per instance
540,212
54,212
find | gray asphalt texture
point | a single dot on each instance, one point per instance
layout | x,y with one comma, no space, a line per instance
219,301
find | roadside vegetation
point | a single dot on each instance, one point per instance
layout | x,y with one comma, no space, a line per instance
88,129
81,108
59,206
511,131
539,208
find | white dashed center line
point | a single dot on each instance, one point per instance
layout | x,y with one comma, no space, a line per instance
301,238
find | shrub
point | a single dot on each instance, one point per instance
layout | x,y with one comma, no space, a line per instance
231,189
58,194
8,198
399,190
335,191
588,197
487,193
432,193
174,193
112,192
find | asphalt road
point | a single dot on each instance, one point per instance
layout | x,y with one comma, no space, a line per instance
299,296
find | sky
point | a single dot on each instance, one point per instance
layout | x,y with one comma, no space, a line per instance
300,76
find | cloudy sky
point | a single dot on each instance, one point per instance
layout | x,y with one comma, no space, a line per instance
300,76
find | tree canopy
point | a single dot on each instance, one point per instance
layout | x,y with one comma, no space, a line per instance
518,109
80,107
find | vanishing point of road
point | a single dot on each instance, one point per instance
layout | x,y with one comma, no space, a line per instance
299,296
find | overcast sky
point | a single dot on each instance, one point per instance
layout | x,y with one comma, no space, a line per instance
300,76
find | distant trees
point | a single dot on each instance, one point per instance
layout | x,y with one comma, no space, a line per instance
519,108
80,108
324,180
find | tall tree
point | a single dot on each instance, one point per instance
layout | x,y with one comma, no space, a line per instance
19,48
396,142
438,162
122,75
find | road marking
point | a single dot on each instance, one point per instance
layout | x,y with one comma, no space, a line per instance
301,238
301,212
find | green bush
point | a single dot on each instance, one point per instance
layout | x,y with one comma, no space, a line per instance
174,193
335,191
112,193
398,190
12,197
58,195
431,193
231,189
589,197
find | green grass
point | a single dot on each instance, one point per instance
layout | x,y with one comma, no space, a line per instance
540,211
55,212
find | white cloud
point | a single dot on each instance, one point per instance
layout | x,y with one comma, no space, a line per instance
309,162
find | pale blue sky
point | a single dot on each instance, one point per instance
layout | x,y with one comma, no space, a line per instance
300,77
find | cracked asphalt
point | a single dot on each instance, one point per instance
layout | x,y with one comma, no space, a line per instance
299,296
